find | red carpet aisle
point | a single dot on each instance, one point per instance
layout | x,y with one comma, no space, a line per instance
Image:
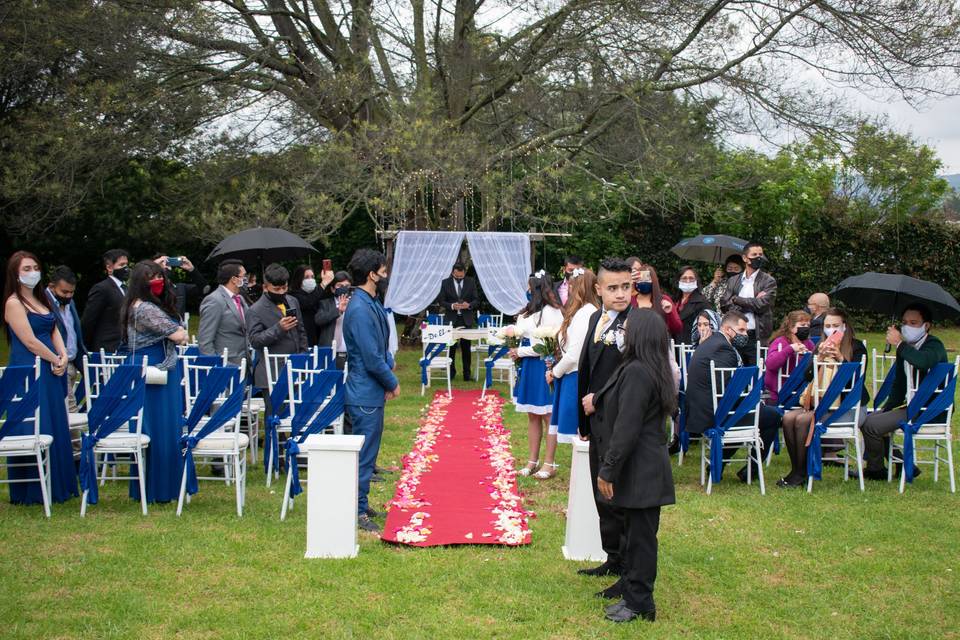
458,484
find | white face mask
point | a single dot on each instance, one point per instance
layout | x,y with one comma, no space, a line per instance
829,331
688,287
309,284
913,335
30,279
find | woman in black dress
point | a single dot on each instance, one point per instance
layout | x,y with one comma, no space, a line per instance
631,442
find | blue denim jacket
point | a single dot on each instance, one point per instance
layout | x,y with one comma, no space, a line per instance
369,362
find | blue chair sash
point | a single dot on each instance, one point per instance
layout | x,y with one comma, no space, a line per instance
280,410
484,320
823,417
326,358
723,419
432,351
884,392
217,382
793,387
494,353
14,382
119,401
316,413
434,318
914,422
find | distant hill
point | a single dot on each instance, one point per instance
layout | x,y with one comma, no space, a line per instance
954,180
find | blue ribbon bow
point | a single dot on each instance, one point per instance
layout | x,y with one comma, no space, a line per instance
217,381
432,351
494,353
846,372
322,402
730,410
943,371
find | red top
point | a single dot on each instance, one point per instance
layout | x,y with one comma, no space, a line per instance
674,324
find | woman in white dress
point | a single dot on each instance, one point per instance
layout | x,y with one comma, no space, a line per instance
532,394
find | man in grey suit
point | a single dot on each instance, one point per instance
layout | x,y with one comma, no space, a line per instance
274,322
223,323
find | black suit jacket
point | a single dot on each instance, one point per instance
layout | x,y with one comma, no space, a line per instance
597,363
631,441
101,316
699,390
688,315
448,296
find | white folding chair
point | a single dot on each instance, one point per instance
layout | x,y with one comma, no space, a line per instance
847,428
131,443
276,366
746,433
437,340
880,366
35,444
227,443
479,348
934,436
685,351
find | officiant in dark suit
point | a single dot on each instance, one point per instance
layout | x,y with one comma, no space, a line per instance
598,362
459,299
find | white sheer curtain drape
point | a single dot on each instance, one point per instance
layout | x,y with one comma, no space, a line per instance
421,260
502,261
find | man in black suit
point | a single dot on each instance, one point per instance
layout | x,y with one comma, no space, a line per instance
722,348
458,297
598,360
101,315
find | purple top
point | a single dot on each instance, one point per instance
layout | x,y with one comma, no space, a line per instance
780,357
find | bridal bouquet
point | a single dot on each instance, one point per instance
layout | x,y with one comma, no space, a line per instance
547,347
508,335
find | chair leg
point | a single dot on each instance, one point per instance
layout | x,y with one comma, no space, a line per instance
890,460
953,483
83,504
103,473
449,384
859,447
286,496
759,449
236,463
183,490
43,482
138,457
936,460
703,462
269,462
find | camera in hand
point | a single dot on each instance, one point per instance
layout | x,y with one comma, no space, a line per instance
174,262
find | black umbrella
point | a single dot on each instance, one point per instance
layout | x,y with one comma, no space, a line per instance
889,293
715,248
261,244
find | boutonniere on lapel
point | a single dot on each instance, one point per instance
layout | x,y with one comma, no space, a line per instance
609,337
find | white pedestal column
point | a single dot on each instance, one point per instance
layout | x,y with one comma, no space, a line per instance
582,540
333,461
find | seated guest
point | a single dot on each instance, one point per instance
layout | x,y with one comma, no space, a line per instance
581,305
60,290
920,349
752,293
223,316
304,287
713,292
690,303
647,292
570,264
101,314
634,473
329,315
722,349
797,424
708,323
274,321
787,345
817,306
459,299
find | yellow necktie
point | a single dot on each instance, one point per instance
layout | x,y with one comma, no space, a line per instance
601,325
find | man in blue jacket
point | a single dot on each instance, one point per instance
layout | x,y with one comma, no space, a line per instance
370,379
63,284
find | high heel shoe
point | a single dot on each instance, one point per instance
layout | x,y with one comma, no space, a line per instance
530,468
544,474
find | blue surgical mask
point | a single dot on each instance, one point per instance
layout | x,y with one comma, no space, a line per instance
529,296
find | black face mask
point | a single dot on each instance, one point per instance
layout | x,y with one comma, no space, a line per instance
122,273
276,298
803,333
63,301
341,291
382,285
760,262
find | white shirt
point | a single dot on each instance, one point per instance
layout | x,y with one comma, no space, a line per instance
548,317
573,345
746,291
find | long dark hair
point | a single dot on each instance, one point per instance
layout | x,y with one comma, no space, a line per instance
656,293
541,294
11,286
849,335
296,280
138,288
646,342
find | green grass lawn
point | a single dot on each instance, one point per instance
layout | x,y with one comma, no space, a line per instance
835,564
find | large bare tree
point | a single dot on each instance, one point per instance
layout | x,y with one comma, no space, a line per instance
422,107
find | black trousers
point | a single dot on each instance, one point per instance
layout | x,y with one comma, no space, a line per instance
640,557
466,351
611,518
749,353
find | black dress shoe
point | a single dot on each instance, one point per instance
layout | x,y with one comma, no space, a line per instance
620,612
468,378
372,513
790,483
869,474
742,475
376,478
674,447
898,469
606,569
614,591
364,523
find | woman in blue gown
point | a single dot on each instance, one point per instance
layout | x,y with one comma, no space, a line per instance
150,329
32,332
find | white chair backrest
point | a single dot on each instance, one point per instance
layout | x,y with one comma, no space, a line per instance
784,373
948,414
879,366
96,375
719,378
193,375
35,418
819,389
274,365
192,370
437,334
